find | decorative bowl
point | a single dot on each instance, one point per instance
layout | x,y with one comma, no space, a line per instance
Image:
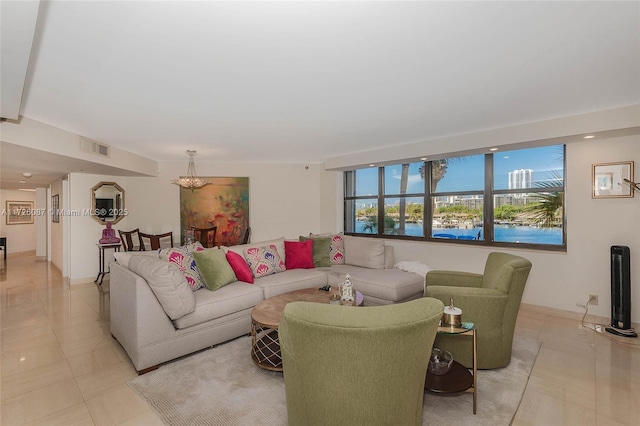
440,362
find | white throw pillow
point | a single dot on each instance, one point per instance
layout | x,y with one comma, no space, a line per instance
167,283
364,252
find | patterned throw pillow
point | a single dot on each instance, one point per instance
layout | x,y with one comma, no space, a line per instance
264,261
336,251
183,257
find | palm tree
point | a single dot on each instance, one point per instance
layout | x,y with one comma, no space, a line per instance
547,206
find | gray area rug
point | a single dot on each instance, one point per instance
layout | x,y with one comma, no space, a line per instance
222,386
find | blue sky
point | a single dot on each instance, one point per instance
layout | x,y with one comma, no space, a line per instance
468,173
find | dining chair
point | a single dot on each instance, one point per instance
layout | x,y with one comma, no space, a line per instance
246,236
128,237
206,236
155,241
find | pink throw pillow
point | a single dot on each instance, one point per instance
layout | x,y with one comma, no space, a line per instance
299,255
240,267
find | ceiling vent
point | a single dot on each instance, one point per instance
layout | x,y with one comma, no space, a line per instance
93,147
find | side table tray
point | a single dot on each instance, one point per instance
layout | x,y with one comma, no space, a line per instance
458,379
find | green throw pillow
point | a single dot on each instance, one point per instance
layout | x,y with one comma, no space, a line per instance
214,268
321,248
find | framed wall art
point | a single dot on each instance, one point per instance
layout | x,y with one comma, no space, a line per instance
223,203
19,212
612,180
55,208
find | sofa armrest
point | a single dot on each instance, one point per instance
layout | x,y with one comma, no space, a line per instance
453,279
483,306
137,318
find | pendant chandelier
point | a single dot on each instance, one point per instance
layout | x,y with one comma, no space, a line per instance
191,180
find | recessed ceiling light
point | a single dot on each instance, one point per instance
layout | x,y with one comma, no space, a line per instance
27,175
23,181
493,149
372,165
589,137
423,159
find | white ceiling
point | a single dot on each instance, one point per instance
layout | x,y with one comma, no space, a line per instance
305,81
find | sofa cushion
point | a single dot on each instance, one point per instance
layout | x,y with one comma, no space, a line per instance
214,268
123,257
167,283
264,261
299,254
210,305
321,246
387,285
365,252
182,256
294,279
240,267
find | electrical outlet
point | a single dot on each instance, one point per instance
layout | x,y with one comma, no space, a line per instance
593,299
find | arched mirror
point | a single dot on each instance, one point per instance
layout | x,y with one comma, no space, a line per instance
107,203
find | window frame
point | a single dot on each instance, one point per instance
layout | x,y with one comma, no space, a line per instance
488,194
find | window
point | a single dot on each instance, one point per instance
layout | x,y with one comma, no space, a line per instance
506,199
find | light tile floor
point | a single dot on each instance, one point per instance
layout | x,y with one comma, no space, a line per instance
59,364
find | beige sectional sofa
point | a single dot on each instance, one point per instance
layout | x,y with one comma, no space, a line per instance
140,317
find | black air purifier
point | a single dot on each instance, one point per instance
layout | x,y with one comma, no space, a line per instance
621,292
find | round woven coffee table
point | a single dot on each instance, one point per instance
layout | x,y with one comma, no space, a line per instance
265,319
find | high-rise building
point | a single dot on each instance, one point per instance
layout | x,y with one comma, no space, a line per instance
519,179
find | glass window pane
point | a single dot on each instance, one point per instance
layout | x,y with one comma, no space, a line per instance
529,168
458,174
534,218
404,179
367,182
457,217
366,216
411,208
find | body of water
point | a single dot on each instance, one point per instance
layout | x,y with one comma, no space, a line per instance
503,233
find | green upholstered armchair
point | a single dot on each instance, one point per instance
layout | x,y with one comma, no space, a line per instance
491,301
357,366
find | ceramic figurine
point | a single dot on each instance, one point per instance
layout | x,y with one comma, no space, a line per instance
109,235
346,289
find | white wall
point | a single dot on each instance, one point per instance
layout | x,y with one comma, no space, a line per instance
284,200
20,237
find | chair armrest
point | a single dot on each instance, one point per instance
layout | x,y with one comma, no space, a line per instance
482,306
453,279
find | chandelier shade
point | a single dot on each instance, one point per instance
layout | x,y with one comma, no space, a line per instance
191,180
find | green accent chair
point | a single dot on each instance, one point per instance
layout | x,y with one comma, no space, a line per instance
357,365
491,301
